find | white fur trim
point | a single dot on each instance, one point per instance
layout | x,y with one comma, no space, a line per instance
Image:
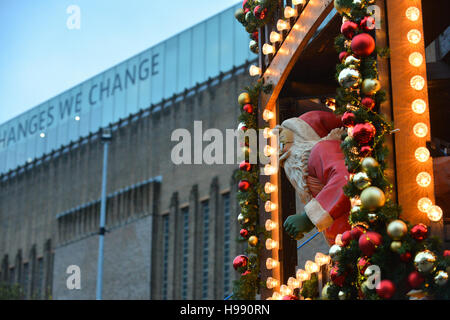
302,131
318,216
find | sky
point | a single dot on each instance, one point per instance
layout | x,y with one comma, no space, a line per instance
41,57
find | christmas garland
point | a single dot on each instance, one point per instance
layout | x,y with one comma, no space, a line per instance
255,14
411,263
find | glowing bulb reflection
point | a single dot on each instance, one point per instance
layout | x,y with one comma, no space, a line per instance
422,154
435,213
416,59
414,36
412,13
423,179
420,130
417,82
424,204
419,106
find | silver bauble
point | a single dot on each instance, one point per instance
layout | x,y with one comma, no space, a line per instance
425,261
361,180
349,78
352,61
334,251
441,278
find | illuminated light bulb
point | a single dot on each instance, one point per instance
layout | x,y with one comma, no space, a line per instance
293,283
282,25
290,12
269,170
268,151
419,106
417,82
77,118
268,133
271,263
420,129
269,206
416,59
254,71
422,154
297,2
435,213
412,13
414,36
270,225
423,179
276,296
424,204
42,135
267,115
285,290
321,259
302,275
269,188
268,49
338,240
271,244
356,201
311,267
275,37
271,283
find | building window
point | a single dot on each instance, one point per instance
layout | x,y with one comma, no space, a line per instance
185,246
40,277
205,247
12,275
226,244
165,254
25,278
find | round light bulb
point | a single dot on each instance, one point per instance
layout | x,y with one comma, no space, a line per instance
275,37
435,213
270,225
297,2
414,36
276,296
254,71
269,170
282,25
423,179
420,130
321,259
271,283
285,290
269,188
424,204
302,275
77,118
416,59
271,244
417,82
268,151
271,263
419,106
290,12
267,115
269,206
42,135
311,267
413,13
268,133
422,154
293,283
268,49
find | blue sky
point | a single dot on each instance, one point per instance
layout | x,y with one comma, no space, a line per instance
40,57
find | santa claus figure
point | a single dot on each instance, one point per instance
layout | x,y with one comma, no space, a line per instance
314,164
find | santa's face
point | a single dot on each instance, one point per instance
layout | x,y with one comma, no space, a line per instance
286,140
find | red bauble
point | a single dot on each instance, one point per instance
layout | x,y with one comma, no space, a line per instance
248,108
240,262
367,24
364,132
363,45
257,11
346,238
386,289
419,232
245,166
369,242
290,297
406,257
362,265
348,29
365,151
343,55
244,185
446,253
255,35
246,273
368,103
335,278
244,233
244,4
356,232
263,14
415,279
348,119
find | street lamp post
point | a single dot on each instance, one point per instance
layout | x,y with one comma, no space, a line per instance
105,139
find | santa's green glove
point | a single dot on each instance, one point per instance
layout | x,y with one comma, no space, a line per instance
297,225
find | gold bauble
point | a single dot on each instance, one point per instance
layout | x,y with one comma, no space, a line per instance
334,251
370,86
325,295
244,98
397,229
253,241
369,163
361,180
372,198
425,261
441,278
396,245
